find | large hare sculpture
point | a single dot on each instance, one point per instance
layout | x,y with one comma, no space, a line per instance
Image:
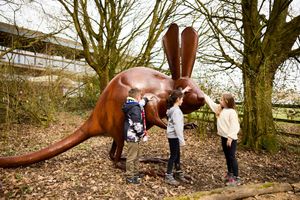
107,118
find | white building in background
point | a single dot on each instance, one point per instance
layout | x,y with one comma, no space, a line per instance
49,53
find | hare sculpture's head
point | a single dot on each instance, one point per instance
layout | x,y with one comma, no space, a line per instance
181,63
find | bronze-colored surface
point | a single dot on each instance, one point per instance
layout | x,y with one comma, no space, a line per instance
107,117
171,47
189,43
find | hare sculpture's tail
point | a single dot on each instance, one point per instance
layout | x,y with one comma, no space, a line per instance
46,153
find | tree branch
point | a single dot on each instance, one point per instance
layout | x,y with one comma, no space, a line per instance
216,28
294,53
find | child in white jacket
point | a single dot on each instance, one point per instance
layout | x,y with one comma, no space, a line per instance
228,127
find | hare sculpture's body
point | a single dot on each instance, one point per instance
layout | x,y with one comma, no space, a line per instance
107,117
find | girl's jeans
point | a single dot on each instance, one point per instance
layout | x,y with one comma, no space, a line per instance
229,152
174,155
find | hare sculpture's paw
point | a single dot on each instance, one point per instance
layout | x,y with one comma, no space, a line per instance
153,110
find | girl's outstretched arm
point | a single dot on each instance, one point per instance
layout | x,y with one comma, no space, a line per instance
213,106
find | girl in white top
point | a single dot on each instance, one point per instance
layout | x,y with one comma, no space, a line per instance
228,127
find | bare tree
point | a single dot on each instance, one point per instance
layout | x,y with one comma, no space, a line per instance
20,98
101,27
257,37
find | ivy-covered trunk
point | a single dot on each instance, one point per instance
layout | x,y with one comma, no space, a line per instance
258,125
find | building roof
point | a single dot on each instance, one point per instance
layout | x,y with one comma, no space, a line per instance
7,31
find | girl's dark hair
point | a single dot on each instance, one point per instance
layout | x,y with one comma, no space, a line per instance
175,94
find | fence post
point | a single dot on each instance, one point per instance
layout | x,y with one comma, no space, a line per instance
215,123
189,117
215,118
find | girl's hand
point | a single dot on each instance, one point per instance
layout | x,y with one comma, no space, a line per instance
229,141
186,89
149,96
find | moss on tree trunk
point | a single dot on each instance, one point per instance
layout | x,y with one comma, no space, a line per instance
103,75
258,125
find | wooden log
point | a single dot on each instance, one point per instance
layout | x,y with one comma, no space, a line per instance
239,192
296,187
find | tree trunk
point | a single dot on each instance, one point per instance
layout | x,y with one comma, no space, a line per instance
258,125
103,75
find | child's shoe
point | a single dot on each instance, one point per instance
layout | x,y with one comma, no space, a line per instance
170,180
140,175
180,176
227,177
132,180
234,181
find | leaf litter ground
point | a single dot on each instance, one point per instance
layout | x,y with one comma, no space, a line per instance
86,172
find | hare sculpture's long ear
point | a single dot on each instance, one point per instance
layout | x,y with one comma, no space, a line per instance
189,43
171,47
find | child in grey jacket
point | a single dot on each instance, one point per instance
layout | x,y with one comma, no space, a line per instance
175,136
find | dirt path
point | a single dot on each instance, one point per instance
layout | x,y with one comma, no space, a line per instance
85,172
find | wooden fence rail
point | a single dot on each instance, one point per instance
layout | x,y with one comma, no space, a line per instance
206,115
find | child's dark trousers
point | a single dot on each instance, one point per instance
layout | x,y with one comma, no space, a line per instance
229,152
